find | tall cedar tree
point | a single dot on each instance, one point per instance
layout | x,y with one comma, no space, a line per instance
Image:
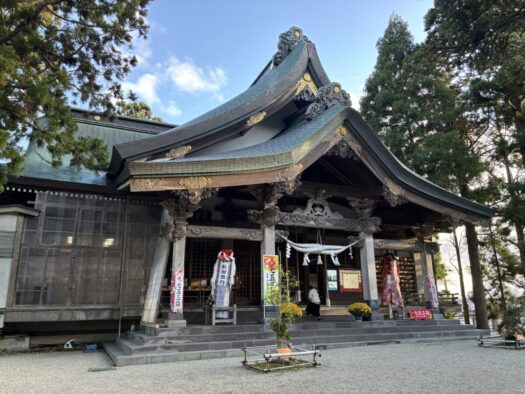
54,49
413,106
485,39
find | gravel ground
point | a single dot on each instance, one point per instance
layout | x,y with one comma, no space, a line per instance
456,367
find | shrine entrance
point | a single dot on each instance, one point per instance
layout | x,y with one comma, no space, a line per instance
201,254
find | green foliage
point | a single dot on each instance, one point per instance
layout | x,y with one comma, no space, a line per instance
483,41
440,270
411,103
360,309
501,265
287,311
54,50
512,321
138,110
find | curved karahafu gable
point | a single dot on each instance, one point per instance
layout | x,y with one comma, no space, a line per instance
312,132
275,87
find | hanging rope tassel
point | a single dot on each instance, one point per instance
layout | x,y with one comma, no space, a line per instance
319,260
350,253
288,250
306,259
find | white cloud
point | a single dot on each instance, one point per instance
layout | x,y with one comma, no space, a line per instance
145,88
172,109
356,97
190,78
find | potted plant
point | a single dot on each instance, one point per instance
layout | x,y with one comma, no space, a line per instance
360,310
287,311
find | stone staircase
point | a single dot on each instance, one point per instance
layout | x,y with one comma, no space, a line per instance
158,345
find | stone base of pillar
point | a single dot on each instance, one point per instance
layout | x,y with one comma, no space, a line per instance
374,304
175,320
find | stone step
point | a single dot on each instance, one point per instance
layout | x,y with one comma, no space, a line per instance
195,351
303,324
182,345
142,338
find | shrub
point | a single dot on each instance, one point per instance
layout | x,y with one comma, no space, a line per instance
360,309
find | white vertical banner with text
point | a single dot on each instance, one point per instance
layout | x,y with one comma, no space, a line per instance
177,291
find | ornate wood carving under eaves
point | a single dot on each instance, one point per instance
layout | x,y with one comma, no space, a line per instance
287,42
342,149
363,207
316,214
391,198
327,97
318,207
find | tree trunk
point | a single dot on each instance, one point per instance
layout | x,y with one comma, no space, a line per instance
521,245
477,278
498,269
466,315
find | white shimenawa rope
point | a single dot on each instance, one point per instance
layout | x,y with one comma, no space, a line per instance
307,249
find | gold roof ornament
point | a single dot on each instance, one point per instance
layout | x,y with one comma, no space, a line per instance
179,151
144,184
254,119
291,172
342,130
305,82
195,182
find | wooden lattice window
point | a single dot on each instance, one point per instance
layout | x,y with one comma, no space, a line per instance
248,262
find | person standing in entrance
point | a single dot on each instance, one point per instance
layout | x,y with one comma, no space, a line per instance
314,303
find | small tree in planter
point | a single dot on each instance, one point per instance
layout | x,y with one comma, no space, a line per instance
360,310
287,311
511,322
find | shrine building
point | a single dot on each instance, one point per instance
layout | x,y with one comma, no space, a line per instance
287,160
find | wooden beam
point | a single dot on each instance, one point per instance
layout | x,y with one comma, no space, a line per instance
340,190
248,234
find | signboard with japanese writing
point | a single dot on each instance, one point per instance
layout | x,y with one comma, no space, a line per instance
420,314
271,273
331,276
350,281
177,291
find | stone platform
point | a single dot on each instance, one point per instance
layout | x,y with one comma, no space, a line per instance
159,345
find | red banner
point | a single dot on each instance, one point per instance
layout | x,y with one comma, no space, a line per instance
420,314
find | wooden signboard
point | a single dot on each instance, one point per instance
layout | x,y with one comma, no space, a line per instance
420,314
350,281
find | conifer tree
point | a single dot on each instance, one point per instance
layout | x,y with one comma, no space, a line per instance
412,103
52,51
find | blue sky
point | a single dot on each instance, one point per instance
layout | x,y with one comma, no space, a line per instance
202,52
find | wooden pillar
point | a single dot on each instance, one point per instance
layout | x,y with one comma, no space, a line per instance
424,273
175,315
172,229
157,270
420,276
267,247
368,271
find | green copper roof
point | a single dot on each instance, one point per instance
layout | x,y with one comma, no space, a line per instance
37,160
